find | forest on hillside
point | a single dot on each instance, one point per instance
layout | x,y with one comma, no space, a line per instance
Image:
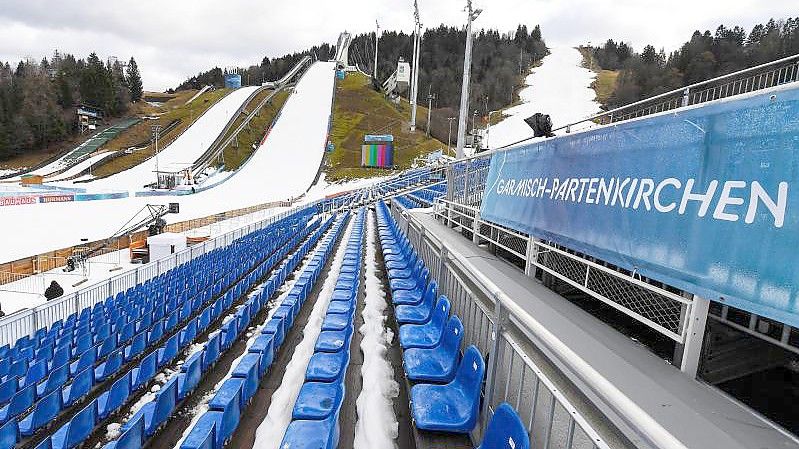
38,98
706,55
498,60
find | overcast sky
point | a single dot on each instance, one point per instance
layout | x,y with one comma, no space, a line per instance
172,40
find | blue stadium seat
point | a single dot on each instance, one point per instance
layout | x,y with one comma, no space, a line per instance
333,341
426,335
211,352
202,435
109,401
169,351
81,384
420,313
451,407
505,430
436,364
190,375
142,374
109,367
76,430
336,322
264,346
413,296
248,369
318,400
131,438
157,411
8,389
275,327
9,435
137,346
327,366
225,409
36,372
54,381
45,410
312,434
86,360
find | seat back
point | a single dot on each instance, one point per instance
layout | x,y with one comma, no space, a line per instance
146,370
441,313
8,434
193,371
211,352
453,335
228,401
8,389
118,393
431,293
47,408
133,437
22,400
505,430
168,351
469,377
36,372
82,425
57,378
165,401
61,356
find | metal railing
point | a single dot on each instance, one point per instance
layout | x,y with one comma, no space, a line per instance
647,302
552,419
28,321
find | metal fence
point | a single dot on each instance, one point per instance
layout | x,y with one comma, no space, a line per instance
28,321
646,301
551,419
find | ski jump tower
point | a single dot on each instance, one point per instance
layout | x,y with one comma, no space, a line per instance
343,50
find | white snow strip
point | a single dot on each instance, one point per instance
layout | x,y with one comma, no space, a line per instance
271,431
377,424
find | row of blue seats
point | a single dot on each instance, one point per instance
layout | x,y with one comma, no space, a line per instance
447,387
316,410
49,407
156,413
217,425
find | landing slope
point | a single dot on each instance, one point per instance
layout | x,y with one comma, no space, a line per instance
560,87
284,166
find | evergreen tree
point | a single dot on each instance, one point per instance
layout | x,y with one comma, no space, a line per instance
134,81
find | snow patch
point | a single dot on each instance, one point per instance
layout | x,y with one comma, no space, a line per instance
377,424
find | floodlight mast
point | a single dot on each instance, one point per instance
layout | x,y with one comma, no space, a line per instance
467,68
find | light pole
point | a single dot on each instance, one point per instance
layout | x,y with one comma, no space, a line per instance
417,42
449,136
377,36
156,131
488,129
430,98
467,68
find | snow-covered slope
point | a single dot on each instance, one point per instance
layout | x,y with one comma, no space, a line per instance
184,150
560,87
285,166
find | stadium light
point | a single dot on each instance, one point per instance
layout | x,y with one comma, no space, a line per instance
467,68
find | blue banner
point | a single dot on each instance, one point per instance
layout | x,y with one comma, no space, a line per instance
701,199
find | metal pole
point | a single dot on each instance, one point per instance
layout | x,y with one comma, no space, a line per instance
377,36
449,136
415,77
430,98
467,67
